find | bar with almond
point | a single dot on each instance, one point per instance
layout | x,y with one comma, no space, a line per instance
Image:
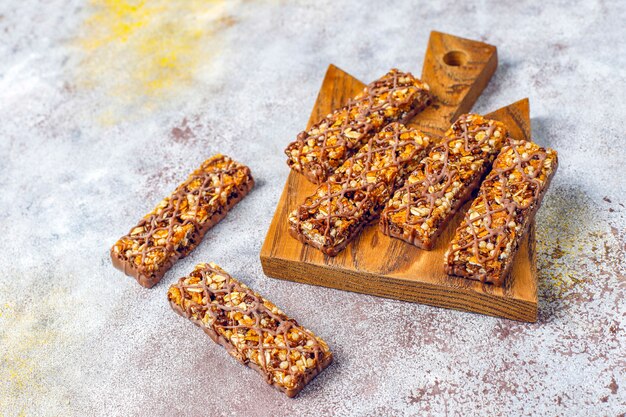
318,151
433,193
251,329
356,193
485,243
179,222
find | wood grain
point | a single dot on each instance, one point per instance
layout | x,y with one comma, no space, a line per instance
455,87
379,265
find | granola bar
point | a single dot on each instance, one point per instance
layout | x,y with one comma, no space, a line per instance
178,224
444,181
317,152
484,244
252,329
354,195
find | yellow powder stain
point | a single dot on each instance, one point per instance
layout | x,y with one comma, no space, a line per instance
140,53
573,254
560,276
24,340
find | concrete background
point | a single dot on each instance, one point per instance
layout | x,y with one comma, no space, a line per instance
105,106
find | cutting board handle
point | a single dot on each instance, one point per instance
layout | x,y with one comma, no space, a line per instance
457,70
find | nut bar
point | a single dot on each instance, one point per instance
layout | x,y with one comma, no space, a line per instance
252,329
444,181
317,152
484,244
356,193
177,225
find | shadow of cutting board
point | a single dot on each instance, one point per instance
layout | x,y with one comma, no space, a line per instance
457,70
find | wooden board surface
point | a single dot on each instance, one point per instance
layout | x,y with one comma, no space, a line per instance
379,265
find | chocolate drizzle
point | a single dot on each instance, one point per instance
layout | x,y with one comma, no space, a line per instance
354,195
178,223
485,242
444,180
396,96
251,328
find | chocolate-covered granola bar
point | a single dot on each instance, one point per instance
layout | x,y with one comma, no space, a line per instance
178,224
318,151
444,181
252,329
356,193
486,241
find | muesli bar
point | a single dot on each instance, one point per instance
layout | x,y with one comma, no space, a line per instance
356,193
178,224
444,181
485,243
318,151
252,329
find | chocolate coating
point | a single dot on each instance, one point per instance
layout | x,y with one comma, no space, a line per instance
251,329
485,243
178,224
395,97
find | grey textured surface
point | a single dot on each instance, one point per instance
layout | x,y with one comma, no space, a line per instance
106,106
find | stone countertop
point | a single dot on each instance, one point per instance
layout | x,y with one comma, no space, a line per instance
105,106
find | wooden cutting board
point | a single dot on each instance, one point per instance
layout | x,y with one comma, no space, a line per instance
457,70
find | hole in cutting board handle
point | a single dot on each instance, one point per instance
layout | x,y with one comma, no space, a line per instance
455,58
